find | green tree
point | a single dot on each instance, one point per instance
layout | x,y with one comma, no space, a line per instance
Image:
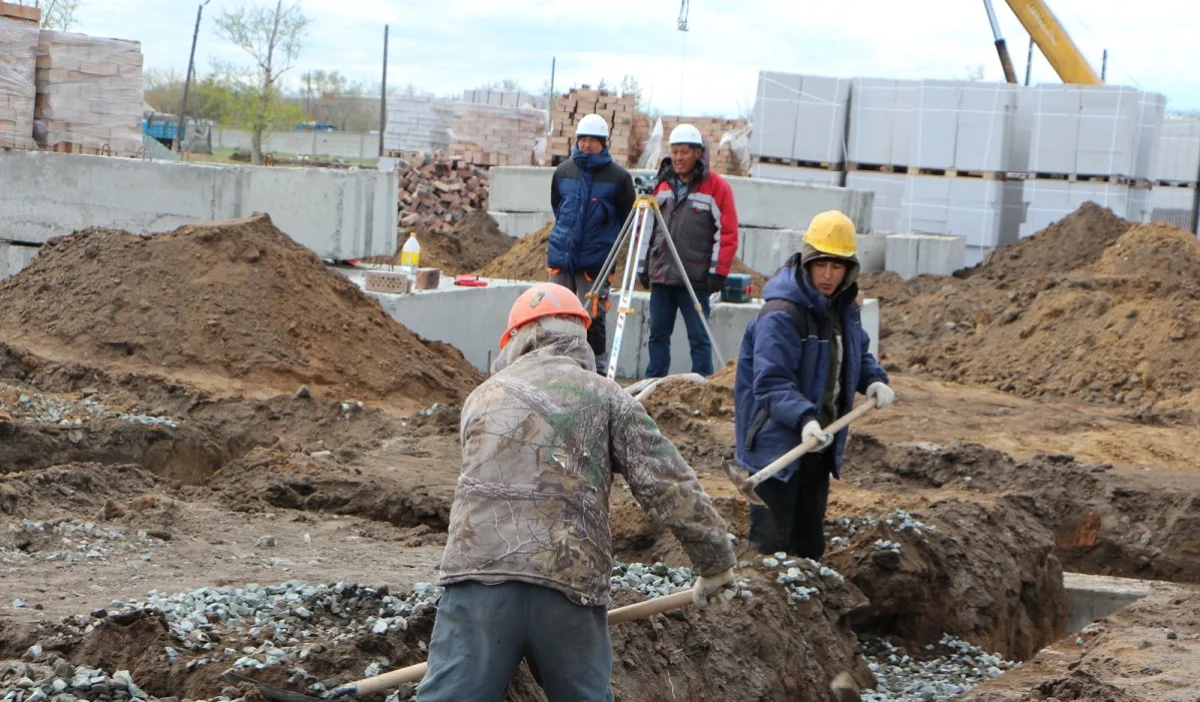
273,36
57,14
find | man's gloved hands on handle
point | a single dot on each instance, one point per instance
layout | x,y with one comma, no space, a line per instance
813,430
715,590
883,395
716,283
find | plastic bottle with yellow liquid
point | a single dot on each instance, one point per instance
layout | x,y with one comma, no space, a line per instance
410,256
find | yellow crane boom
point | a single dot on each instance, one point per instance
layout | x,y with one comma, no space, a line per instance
1056,45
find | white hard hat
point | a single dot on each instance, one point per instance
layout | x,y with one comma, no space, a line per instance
686,134
592,126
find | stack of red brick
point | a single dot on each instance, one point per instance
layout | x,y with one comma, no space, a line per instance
617,110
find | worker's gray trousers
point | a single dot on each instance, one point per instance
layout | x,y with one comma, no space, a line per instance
581,285
482,633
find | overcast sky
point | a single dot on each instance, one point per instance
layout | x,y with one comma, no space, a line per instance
445,46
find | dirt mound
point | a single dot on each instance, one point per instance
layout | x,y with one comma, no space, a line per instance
527,261
471,244
1075,241
1100,324
235,300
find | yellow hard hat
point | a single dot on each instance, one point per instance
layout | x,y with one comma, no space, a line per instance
832,233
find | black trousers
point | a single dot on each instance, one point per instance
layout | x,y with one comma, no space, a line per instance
794,519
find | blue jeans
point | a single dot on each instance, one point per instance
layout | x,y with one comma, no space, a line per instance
482,633
664,301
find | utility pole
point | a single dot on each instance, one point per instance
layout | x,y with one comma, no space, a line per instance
1029,63
550,98
1104,67
187,83
383,92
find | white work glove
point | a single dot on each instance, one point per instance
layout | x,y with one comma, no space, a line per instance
883,395
813,430
716,590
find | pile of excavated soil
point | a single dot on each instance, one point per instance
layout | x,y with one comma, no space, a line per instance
527,261
1114,319
471,244
235,300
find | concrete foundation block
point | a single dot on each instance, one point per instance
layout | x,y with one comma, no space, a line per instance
902,255
781,204
520,188
765,250
337,214
521,224
15,257
872,251
870,322
910,255
890,191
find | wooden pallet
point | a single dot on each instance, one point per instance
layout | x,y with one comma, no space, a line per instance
21,13
875,167
1175,184
66,147
958,173
797,163
1078,178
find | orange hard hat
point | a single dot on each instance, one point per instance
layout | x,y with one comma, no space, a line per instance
543,300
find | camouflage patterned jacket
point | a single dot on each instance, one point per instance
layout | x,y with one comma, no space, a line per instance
541,440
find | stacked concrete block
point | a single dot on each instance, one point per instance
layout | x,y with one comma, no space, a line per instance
775,108
617,110
984,127
417,124
796,174
1174,205
800,118
497,136
504,98
911,255
1050,200
1178,159
15,257
18,91
1151,116
1053,113
89,94
1109,120
890,191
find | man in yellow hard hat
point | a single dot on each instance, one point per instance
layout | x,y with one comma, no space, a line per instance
802,360
529,554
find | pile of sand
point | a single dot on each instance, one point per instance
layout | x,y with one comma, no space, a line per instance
235,300
527,261
1093,308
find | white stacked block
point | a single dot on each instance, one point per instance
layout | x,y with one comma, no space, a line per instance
1178,156
1109,122
775,110
872,251
1174,205
1152,113
1055,113
935,132
986,117
911,255
816,176
1140,205
18,88
418,123
872,120
821,113
890,191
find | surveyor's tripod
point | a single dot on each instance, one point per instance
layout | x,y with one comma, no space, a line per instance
635,238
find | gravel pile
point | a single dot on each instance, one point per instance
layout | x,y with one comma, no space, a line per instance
74,542
64,682
801,577
943,671
898,521
68,411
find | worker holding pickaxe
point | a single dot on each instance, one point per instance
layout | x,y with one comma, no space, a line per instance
802,360
529,554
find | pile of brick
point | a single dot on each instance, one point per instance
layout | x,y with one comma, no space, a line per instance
89,94
438,191
490,135
18,53
723,159
618,111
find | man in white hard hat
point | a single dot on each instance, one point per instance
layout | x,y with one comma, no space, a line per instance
591,196
701,218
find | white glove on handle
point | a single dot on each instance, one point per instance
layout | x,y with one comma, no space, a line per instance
715,590
813,430
883,395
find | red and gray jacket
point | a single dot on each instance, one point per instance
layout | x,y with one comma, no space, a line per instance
704,228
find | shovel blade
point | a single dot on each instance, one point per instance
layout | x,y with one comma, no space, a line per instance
269,691
741,480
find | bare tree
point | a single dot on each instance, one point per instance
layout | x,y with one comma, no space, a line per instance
975,74
273,36
57,14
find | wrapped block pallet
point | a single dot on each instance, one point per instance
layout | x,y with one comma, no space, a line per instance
489,135
89,94
618,111
18,54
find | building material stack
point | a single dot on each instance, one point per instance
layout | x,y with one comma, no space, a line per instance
724,158
618,111
800,128
490,135
1087,143
89,94
504,98
1176,173
437,191
417,124
18,56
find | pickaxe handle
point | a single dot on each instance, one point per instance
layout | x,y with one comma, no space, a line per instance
790,457
413,673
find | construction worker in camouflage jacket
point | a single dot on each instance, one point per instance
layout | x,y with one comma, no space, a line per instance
529,554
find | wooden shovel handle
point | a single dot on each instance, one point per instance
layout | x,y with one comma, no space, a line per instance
640,610
790,457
